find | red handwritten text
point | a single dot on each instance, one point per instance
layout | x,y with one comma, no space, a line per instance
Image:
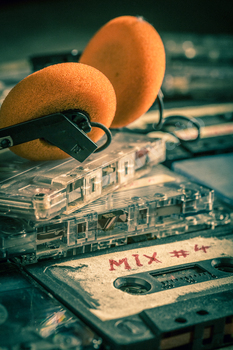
174,254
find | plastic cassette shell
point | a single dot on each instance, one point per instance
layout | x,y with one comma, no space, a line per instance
16,237
40,191
63,239
118,219
145,298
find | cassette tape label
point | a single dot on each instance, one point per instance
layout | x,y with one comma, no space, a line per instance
125,283
175,253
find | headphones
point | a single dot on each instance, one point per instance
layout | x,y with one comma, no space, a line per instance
48,114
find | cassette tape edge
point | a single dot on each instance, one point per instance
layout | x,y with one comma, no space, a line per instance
133,327
49,188
130,215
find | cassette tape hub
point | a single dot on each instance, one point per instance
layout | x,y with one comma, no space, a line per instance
155,296
30,318
40,191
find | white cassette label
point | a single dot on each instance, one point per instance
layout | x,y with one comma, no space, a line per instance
97,274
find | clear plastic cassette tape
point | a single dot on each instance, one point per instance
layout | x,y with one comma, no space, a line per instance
78,236
127,216
40,191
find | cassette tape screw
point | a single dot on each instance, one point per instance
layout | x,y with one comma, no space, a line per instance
188,193
5,143
159,195
137,199
219,216
191,219
40,196
97,343
132,326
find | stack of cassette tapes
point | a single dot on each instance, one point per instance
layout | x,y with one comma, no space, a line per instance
119,252
41,191
157,205
146,266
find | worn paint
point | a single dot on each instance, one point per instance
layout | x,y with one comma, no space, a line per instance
98,273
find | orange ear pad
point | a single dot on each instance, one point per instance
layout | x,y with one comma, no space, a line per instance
130,52
55,89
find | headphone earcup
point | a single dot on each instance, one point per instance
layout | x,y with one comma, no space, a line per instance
55,89
130,53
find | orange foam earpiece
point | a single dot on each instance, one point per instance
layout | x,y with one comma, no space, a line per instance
123,62
55,89
130,53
